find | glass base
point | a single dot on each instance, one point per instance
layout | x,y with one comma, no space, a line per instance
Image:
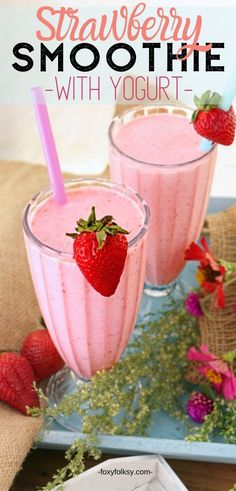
65,383
156,300
60,385
159,291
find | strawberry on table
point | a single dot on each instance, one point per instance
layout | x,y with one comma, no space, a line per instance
41,353
211,122
16,382
100,250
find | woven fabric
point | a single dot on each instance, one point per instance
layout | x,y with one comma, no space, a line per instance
222,229
218,327
17,433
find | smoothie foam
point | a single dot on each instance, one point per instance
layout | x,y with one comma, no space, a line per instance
52,221
152,153
160,139
90,331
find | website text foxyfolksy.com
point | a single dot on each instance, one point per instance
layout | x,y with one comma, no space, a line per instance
125,472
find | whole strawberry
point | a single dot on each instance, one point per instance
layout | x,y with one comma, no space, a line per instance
199,406
41,353
100,249
16,382
211,122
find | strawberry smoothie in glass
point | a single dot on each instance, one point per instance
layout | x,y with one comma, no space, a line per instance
89,330
156,151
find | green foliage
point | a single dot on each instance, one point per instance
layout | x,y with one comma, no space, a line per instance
222,421
150,377
75,456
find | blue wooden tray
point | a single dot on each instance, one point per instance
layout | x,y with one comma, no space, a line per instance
166,435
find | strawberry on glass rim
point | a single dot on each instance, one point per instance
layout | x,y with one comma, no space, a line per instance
211,122
100,250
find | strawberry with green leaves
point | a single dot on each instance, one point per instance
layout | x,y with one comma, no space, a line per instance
16,382
211,122
100,250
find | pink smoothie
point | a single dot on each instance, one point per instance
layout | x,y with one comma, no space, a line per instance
158,155
90,331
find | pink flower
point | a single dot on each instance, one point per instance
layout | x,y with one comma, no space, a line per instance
199,406
218,371
192,305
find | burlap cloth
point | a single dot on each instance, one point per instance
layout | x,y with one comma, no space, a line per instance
18,306
222,230
218,327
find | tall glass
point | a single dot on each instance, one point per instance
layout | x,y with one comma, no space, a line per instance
177,191
89,330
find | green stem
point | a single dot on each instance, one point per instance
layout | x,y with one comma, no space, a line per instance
230,356
229,267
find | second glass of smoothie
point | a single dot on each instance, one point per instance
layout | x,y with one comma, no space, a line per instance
90,331
156,151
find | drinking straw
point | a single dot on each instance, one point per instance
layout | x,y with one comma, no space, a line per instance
48,144
225,104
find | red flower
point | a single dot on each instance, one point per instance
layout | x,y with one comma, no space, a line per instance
216,369
210,273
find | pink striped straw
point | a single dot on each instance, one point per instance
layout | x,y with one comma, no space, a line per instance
48,144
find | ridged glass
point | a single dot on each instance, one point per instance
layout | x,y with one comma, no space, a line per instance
177,195
89,330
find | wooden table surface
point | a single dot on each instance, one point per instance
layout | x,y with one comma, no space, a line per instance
40,465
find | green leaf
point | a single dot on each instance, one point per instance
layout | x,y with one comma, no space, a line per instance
93,225
197,101
116,228
194,115
101,237
107,219
109,231
73,236
92,218
82,229
82,223
230,356
207,391
205,97
42,322
215,99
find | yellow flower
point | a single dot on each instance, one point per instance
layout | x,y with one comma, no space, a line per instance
201,276
213,376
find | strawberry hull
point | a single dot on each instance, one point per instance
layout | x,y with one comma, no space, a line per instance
90,331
